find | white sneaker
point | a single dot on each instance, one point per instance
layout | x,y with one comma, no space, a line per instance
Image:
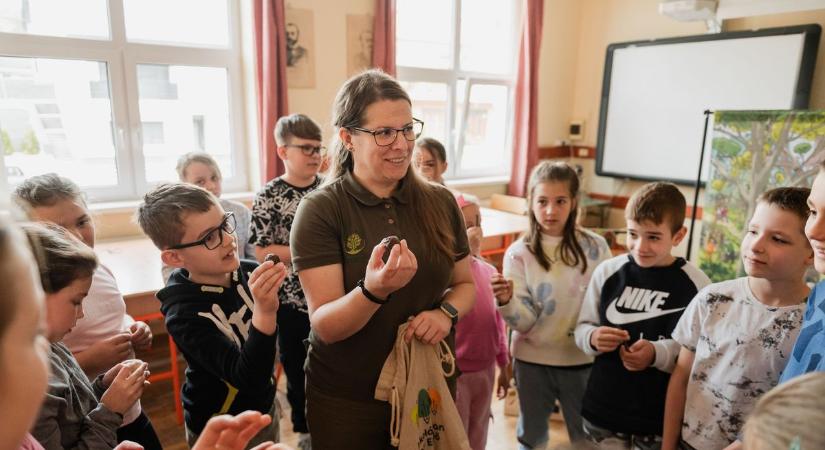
304,441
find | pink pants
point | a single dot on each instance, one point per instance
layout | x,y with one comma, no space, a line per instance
474,393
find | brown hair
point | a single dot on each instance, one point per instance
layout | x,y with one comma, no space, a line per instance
8,303
297,125
351,103
161,214
791,199
790,413
434,147
657,202
570,250
63,257
46,190
199,157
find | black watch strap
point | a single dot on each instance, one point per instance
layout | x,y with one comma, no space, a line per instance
370,296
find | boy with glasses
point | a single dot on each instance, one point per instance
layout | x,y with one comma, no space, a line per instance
221,311
202,170
299,147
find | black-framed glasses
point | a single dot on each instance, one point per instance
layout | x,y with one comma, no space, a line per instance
214,237
386,136
309,150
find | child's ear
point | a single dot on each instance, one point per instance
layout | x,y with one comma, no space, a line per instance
171,258
679,235
281,152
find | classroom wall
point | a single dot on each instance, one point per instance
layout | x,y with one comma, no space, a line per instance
330,58
604,22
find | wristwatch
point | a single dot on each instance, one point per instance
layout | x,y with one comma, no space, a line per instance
450,311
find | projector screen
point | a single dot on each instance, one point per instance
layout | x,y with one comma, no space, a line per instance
655,93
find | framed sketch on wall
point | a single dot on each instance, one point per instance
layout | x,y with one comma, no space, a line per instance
300,48
359,43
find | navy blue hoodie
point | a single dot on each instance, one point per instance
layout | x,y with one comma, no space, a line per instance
230,362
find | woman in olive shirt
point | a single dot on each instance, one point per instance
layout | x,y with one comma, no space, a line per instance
356,299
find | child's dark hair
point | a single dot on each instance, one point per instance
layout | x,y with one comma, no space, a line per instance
46,190
161,214
297,125
570,251
657,202
434,147
791,199
62,258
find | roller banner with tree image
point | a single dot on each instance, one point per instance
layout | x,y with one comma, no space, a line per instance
752,152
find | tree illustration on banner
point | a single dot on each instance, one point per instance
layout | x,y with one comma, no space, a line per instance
752,152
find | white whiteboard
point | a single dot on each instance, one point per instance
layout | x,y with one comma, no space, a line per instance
655,94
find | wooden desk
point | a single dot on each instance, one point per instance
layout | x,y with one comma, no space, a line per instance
135,263
495,223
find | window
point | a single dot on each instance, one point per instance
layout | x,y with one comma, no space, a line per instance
113,96
457,60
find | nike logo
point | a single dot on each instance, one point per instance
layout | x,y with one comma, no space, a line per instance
620,318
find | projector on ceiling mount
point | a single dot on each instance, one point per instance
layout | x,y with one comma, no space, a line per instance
689,10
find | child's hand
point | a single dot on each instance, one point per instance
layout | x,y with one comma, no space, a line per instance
639,356
502,288
127,387
607,339
264,283
128,445
474,237
141,336
382,279
110,375
503,382
234,433
112,350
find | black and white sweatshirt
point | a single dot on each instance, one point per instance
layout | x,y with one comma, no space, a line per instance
230,362
647,302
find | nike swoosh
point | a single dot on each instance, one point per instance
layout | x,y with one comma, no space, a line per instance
620,318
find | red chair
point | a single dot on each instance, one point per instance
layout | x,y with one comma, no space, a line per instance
173,373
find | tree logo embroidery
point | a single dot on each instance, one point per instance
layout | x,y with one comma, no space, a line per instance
354,244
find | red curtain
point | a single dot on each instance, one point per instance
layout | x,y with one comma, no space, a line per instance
383,36
525,137
270,80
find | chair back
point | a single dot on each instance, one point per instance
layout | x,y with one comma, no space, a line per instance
509,203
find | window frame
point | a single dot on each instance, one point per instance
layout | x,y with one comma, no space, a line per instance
122,58
451,76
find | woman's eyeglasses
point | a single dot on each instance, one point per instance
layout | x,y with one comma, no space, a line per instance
214,237
386,136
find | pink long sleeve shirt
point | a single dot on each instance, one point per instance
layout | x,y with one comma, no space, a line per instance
480,337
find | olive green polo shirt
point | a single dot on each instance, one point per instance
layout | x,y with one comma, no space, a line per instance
340,223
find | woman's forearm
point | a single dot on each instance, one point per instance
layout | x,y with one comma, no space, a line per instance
462,296
341,318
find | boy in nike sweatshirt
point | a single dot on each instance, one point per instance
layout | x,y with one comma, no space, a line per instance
737,335
632,304
220,311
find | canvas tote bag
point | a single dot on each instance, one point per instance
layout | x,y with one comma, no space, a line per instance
412,380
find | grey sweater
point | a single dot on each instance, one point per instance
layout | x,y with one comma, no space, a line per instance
71,416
